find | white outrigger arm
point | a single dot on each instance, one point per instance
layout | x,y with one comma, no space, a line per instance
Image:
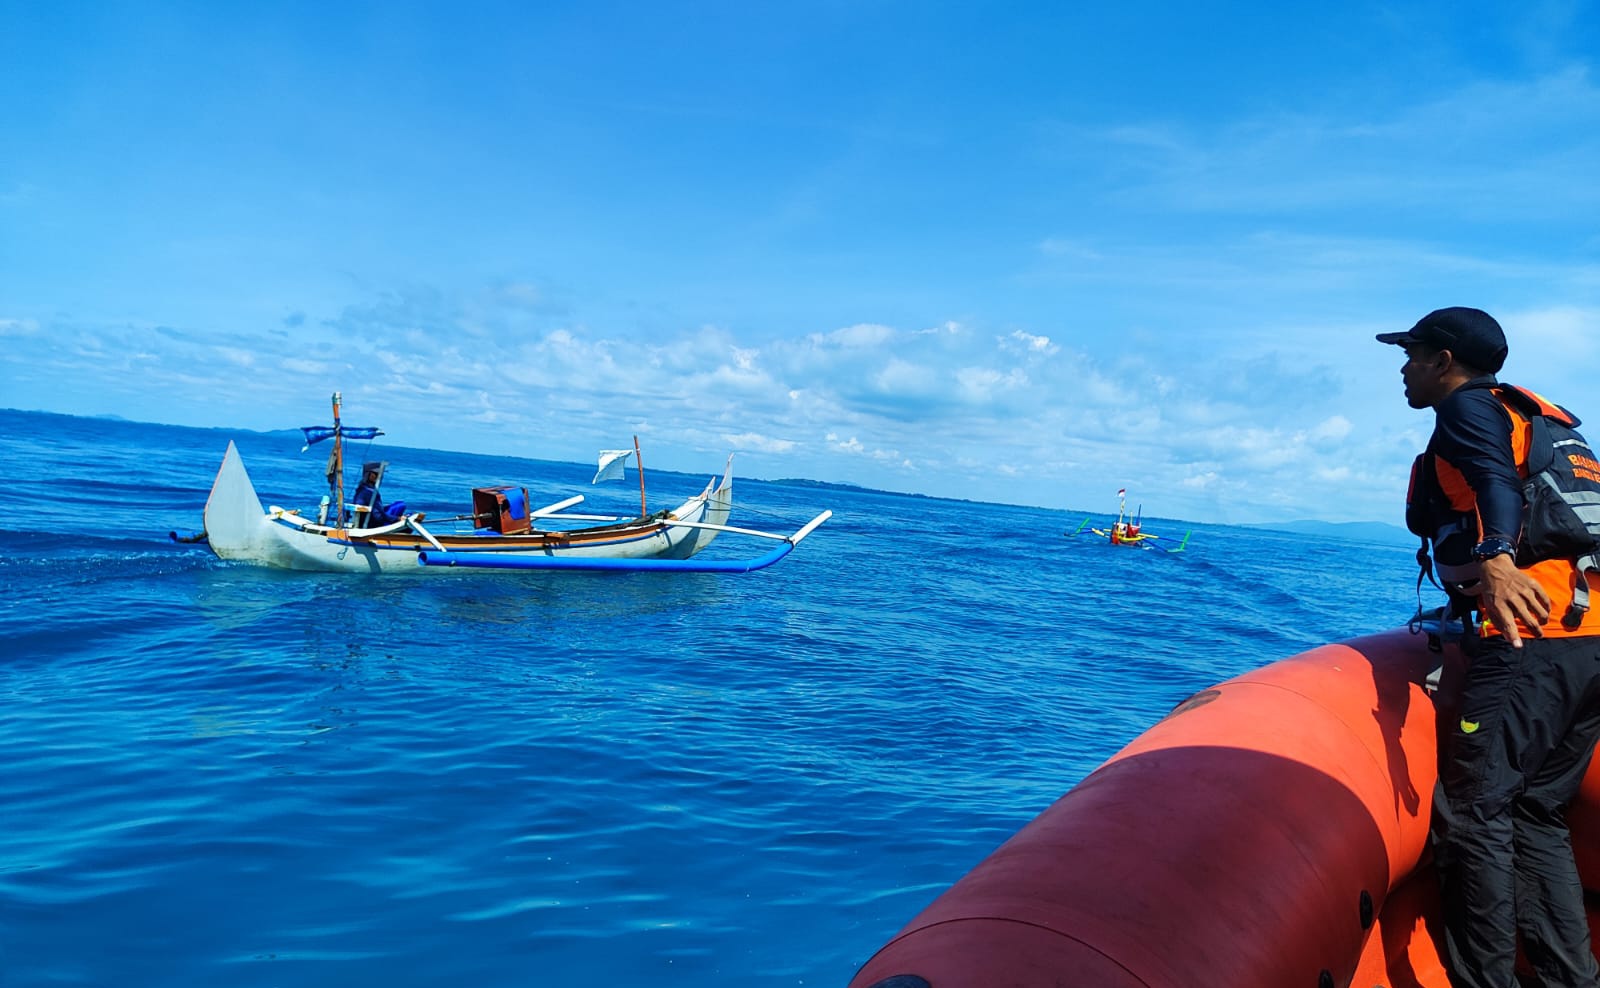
414,522
529,561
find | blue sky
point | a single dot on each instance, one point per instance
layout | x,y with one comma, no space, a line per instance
1022,252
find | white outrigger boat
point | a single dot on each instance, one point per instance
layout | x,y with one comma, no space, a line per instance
500,532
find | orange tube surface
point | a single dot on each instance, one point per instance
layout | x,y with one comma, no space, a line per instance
1270,831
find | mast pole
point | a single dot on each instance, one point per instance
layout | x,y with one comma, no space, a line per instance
338,460
638,460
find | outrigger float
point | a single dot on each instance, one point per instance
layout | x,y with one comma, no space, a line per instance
1127,530
1270,832
362,536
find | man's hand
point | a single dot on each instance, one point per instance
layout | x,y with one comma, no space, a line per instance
1510,595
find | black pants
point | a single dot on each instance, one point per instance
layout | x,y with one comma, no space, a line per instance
1510,765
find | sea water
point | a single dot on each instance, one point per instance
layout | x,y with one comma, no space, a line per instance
215,774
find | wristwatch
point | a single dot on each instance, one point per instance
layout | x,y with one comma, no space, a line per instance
1493,546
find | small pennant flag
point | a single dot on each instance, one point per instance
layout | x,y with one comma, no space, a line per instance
1122,492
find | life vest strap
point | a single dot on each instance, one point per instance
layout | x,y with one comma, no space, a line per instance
1425,570
1580,592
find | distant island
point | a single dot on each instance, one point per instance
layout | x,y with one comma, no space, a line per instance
824,484
1379,532
831,485
1371,532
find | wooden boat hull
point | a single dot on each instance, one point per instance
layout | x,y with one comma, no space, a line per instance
1270,831
238,527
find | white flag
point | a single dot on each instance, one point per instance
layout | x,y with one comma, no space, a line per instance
611,463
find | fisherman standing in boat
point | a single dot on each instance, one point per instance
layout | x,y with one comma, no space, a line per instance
1530,704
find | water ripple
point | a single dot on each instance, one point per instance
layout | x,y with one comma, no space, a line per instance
221,775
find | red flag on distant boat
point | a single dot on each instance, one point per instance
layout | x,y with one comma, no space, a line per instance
1123,492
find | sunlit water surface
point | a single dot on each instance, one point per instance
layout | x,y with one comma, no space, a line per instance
221,775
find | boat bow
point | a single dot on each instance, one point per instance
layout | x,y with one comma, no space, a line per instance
236,525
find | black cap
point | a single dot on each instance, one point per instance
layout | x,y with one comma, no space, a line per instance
1471,335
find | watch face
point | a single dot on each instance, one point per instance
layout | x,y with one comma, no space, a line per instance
1489,548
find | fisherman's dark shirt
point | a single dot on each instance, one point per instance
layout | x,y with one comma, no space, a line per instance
1472,433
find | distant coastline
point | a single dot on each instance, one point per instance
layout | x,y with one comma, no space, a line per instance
859,489
1377,532
1372,532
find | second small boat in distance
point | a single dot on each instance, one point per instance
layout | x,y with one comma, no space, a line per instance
1128,530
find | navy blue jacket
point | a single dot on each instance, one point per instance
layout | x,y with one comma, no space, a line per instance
1472,434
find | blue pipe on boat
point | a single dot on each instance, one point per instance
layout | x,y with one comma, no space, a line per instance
501,560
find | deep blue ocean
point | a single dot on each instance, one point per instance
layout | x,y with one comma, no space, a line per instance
215,774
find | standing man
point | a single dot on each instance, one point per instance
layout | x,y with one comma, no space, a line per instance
1530,708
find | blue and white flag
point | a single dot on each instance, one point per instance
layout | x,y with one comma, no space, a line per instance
317,433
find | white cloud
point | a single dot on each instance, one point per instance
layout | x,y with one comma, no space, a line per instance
981,385
896,410
1569,330
756,441
901,377
1489,148
852,445
1330,430
1028,343
309,368
861,335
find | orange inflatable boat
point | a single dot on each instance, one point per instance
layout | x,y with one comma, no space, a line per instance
1270,832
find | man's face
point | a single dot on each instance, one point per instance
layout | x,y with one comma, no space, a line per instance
1423,374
